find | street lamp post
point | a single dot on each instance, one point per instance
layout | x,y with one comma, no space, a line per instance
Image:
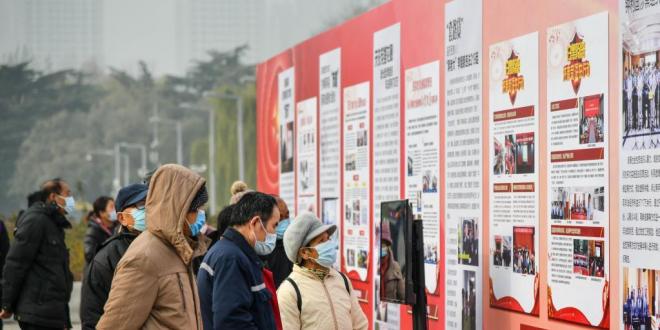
117,179
111,153
127,173
143,153
214,195
211,167
179,136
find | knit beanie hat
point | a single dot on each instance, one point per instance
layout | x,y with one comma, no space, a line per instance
200,199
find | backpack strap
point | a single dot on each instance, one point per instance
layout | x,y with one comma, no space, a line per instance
298,296
348,288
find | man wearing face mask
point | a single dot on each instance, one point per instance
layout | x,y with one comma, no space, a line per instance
315,296
100,226
277,262
130,211
154,286
233,289
37,281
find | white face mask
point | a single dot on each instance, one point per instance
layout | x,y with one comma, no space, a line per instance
69,204
264,248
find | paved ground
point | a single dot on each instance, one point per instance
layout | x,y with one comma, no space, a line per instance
74,307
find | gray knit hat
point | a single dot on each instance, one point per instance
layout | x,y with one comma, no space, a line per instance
303,230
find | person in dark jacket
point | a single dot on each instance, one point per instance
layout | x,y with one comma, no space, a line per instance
37,282
100,226
232,291
277,262
98,276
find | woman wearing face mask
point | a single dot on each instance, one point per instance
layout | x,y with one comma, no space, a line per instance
233,284
315,296
100,226
392,285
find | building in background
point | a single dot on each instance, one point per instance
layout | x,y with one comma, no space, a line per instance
220,25
168,35
53,34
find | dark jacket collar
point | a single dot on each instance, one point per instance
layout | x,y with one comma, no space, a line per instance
51,210
126,233
238,239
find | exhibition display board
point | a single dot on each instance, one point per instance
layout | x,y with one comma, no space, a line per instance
524,133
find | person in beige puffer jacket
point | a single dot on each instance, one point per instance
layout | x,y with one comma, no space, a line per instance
324,295
154,286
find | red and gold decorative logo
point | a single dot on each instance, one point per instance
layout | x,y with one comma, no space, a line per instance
577,67
513,81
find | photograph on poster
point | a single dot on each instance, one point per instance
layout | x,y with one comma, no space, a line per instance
286,147
410,166
502,255
351,162
468,242
353,216
381,308
469,297
429,182
592,122
305,175
641,290
523,250
596,259
350,257
641,82
362,137
577,203
588,258
311,137
329,211
362,259
514,154
430,253
580,257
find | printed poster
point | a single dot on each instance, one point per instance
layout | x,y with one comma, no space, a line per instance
330,135
578,190
639,163
356,180
463,158
306,160
286,99
422,156
514,174
386,152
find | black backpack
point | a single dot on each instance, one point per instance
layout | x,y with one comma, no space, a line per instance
299,297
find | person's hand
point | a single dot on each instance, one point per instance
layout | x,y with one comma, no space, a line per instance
4,314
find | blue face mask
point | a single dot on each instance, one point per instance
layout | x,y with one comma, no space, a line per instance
69,204
266,247
281,228
327,253
139,219
383,252
196,227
